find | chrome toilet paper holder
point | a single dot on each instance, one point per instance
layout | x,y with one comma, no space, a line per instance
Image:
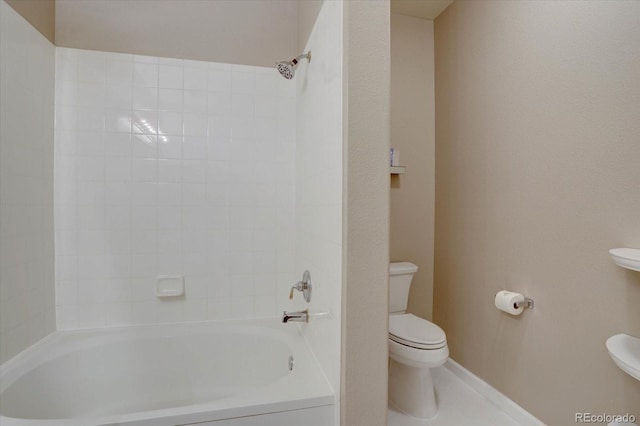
527,303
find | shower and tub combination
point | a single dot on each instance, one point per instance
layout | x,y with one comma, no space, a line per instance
234,372
221,353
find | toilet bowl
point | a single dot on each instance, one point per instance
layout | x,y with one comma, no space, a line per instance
415,346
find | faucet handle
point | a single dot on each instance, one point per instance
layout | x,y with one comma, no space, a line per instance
304,286
300,286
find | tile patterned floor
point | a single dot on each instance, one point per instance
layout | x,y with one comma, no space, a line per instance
458,405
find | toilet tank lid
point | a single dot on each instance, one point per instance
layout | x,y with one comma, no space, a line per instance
400,268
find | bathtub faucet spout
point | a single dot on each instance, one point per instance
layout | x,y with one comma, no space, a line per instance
299,316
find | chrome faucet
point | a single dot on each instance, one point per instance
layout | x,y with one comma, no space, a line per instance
304,286
299,316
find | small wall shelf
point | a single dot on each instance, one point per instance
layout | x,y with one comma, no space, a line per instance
397,170
626,258
625,352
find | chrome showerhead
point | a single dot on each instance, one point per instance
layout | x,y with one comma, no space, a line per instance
288,68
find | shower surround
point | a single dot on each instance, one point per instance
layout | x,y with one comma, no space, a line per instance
227,175
27,61
171,167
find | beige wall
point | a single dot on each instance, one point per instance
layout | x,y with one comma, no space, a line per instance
307,14
39,13
75,33
413,133
537,176
250,32
365,279
130,27
419,8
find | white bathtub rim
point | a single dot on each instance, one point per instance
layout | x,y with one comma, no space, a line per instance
19,363
318,390
19,358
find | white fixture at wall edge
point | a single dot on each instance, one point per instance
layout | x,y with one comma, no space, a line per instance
397,170
625,352
626,257
625,349
170,286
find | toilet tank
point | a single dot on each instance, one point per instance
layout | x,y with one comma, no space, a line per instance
400,276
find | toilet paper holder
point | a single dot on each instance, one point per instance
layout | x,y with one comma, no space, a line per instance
527,303
511,302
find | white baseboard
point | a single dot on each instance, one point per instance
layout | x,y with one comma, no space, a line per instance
516,412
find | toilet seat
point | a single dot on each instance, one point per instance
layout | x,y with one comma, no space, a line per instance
414,332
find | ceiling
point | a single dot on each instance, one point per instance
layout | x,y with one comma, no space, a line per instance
425,9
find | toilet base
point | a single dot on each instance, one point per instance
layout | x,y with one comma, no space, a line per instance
411,390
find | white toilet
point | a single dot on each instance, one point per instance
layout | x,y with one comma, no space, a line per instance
415,346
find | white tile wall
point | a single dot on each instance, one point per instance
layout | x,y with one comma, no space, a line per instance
319,185
26,190
171,167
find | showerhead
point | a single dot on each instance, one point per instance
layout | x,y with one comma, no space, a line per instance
288,68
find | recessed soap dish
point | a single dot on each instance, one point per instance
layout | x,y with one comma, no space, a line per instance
626,257
169,286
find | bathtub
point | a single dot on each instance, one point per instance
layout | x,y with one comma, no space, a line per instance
233,373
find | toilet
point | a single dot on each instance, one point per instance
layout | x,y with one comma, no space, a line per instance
415,346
